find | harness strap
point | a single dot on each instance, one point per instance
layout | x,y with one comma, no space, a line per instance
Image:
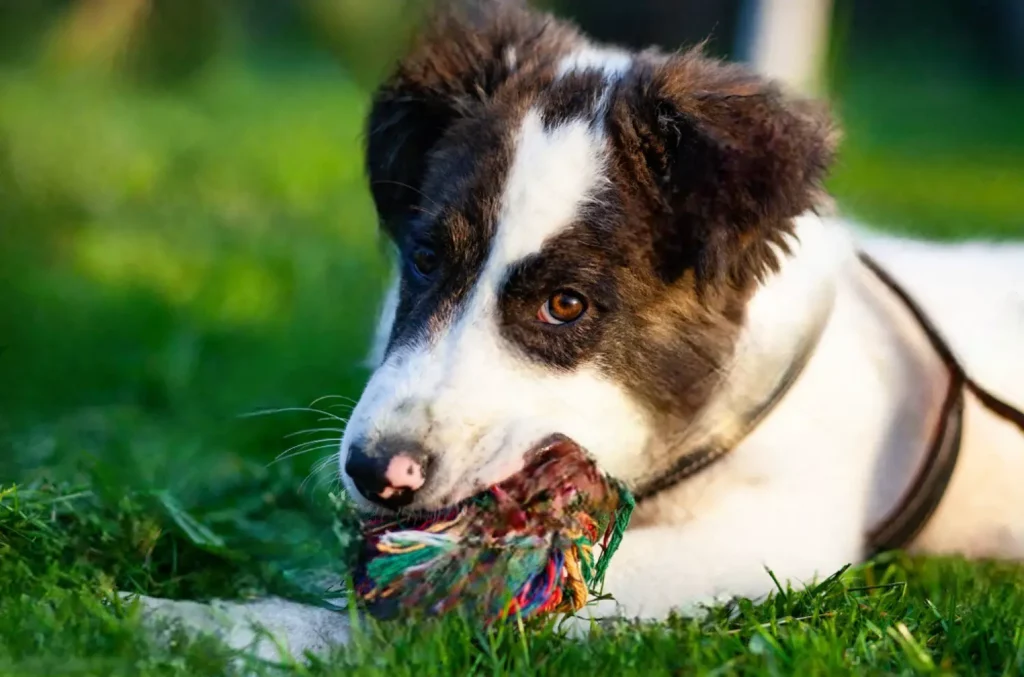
924,493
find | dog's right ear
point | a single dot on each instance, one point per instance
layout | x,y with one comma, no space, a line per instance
466,53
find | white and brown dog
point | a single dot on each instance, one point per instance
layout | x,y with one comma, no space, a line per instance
633,250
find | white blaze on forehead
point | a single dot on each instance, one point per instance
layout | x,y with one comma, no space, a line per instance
553,173
614,63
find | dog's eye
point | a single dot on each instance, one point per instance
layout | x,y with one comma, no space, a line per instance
562,307
423,261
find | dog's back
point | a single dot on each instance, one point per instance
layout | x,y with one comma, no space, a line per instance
974,292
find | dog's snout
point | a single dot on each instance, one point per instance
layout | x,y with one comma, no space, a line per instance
389,472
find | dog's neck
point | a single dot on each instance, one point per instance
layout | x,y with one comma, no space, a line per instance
785,320
862,412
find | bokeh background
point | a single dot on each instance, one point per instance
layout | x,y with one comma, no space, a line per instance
186,233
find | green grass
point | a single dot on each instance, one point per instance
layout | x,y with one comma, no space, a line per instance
172,259
64,554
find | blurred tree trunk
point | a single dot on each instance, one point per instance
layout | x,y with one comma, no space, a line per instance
788,40
1009,23
671,24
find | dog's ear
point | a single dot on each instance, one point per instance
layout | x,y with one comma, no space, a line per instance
467,51
728,160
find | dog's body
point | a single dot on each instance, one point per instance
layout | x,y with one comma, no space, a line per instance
627,249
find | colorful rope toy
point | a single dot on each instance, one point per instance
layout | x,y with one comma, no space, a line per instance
525,546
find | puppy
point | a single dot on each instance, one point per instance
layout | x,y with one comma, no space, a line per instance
635,250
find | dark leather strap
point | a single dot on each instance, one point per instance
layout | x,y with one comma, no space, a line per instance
925,492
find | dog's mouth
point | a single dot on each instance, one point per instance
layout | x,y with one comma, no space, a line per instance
553,473
535,474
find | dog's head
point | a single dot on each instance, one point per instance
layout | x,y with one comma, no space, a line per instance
580,230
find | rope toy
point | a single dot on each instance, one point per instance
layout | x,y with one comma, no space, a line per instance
525,546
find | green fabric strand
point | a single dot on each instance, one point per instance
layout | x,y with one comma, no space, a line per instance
622,515
384,570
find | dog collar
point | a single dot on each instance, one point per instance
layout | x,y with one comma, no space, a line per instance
717,448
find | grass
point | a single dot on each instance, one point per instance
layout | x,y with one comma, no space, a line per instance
65,553
171,259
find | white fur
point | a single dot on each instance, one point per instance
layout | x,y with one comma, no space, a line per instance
553,173
466,393
614,63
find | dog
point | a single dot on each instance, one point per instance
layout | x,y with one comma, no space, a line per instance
634,250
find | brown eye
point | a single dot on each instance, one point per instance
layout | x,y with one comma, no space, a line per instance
561,308
424,261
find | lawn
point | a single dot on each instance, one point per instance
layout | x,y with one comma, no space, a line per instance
171,259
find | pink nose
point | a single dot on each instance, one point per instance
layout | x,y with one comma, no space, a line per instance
403,472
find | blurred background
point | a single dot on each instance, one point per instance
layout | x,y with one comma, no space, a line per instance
186,234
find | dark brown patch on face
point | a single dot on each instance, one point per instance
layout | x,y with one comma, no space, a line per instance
667,344
457,216
582,260
712,165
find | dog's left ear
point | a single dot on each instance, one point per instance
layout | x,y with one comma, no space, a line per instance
728,161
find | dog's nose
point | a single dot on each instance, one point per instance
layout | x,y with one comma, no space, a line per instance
389,473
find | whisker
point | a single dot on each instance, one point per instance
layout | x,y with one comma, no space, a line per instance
288,410
310,443
279,459
422,210
323,398
333,479
314,430
325,461
318,469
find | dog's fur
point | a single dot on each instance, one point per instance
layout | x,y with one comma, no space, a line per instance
683,199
